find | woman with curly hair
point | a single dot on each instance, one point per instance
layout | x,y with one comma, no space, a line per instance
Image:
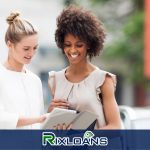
82,86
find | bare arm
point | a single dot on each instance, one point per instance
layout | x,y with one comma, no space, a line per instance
111,110
28,121
58,103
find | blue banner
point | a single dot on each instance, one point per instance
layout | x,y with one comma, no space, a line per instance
74,140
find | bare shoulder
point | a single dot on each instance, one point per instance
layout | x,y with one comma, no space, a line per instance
108,81
108,85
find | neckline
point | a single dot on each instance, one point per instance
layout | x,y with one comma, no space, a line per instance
12,71
86,78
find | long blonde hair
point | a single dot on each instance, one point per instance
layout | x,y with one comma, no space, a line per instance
18,28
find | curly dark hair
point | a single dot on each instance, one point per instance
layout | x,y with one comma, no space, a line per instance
83,24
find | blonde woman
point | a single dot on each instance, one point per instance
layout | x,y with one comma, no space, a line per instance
21,99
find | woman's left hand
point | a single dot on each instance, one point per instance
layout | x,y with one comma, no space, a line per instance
62,127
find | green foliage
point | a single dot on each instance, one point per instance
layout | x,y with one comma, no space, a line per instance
130,48
76,2
98,1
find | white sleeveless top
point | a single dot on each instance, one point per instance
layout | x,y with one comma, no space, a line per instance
84,95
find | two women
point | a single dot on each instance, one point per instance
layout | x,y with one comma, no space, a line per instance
81,86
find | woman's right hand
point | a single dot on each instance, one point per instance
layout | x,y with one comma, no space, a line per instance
24,121
61,103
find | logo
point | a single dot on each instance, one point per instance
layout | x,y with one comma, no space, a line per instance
49,138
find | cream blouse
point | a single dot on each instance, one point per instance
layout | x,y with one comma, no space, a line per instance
84,95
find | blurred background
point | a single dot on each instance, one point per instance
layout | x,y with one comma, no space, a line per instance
126,52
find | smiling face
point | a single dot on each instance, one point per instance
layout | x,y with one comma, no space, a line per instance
23,51
75,49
